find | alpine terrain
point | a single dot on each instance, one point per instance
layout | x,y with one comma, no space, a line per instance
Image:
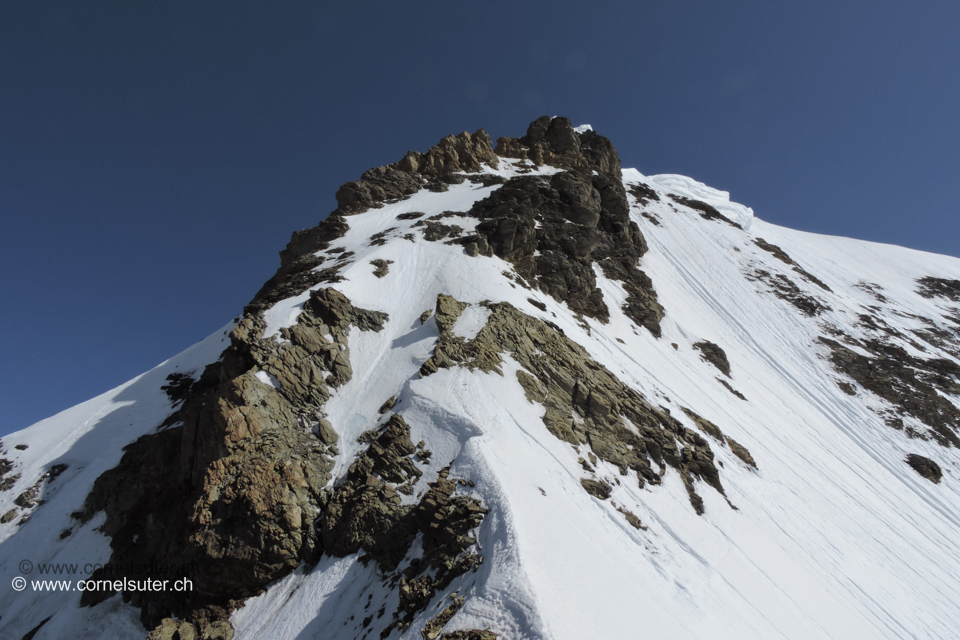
515,391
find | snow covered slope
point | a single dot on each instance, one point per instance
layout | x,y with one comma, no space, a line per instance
795,373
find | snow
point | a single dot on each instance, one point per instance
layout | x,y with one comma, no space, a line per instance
267,378
583,128
89,439
720,200
832,537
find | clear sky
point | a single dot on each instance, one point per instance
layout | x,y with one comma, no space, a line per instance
155,157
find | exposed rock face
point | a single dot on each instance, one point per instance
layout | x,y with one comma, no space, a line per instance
786,289
714,432
585,404
909,383
235,485
553,230
553,141
931,287
438,166
713,354
782,256
231,488
706,211
925,467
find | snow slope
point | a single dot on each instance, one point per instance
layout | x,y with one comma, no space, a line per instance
833,536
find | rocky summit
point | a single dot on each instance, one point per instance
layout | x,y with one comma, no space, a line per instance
511,391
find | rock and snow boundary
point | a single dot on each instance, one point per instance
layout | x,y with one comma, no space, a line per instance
629,408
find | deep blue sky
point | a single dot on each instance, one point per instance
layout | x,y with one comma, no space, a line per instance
154,157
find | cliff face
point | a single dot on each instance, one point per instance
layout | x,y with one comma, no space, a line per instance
517,392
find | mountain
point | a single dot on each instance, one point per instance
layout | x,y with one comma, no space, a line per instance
516,391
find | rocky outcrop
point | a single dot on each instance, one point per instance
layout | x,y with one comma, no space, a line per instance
931,287
782,256
714,432
713,354
232,485
787,290
913,386
584,403
925,467
300,266
706,211
381,267
554,229
554,142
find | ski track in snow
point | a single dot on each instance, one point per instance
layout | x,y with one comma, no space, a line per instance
834,536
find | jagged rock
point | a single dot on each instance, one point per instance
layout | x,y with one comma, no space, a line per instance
553,141
706,211
643,193
453,154
554,229
931,287
731,389
632,519
235,482
925,467
598,489
741,452
178,388
28,498
471,634
907,382
785,289
782,256
382,267
7,483
714,431
431,631
560,375
8,516
713,354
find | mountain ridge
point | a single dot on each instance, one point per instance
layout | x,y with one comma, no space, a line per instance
515,272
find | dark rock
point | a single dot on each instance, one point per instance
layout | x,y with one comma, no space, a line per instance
431,631
777,252
731,389
931,287
33,632
785,289
537,304
713,354
632,519
178,387
925,467
382,267
7,483
706,211
598,489
782,256
643,193
8,516
233,484
558,373
28,498
741,452
470,634
388,405
21,447
410,215
553,141
914,386
553,231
